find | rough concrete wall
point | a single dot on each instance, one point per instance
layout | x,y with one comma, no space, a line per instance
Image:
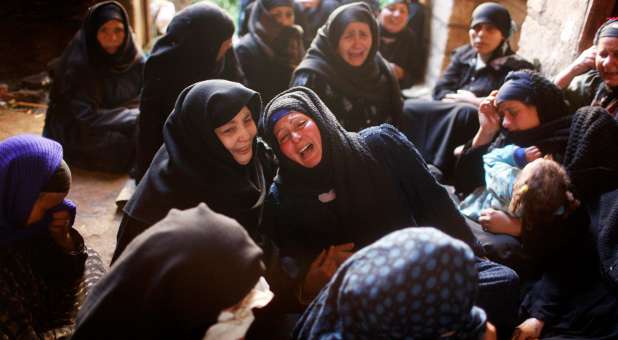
450,22
552,31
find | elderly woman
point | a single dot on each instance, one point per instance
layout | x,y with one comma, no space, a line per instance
195,47
273,48
591,79
335,188
344,68
93,105
210,154
437,127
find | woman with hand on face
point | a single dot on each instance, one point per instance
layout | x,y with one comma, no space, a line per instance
195,47
399,44
438,126
93,108
210,154
273,48
344,68
338,191
42,258
592,79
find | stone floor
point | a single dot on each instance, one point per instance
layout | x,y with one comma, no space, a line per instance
93,192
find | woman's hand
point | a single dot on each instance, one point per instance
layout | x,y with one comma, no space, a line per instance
324,267
397,71
498,222
529,329
463,96
59,229
581,65
489,120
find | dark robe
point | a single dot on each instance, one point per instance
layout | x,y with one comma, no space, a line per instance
93,107
362,96
312,19
193,166
269,53
380,184
437,128
173,280
186,54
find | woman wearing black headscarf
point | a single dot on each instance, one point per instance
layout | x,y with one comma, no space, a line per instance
401,46
272,49
335,187
173,280
344,68
438,126
94,97
195,47
210,154
590,79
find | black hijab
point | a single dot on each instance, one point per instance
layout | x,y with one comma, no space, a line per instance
193,166
173,280
85,59
188,51
367,202
372,80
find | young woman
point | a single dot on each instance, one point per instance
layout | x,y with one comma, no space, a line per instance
412,283
335,187
195,47
438,126
43,261
344,69
173,280
95,92
401,46
272,49
210,154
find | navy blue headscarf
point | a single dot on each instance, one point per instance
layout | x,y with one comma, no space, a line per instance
27,162
414,283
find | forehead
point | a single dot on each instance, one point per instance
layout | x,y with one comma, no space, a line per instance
286,120
112,23
608,43
510,104
486,25
357,26
397,5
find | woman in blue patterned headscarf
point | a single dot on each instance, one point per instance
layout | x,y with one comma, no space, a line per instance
415,283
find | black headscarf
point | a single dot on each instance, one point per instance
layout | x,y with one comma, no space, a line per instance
173,280
347,166
84,58
193,166
272,37
372,80
188,51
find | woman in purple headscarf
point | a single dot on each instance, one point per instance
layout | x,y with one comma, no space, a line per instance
42,257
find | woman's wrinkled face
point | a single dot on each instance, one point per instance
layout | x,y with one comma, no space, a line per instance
485,38
299,139
518,116
355,43
225,46
606,61
394,17
237,136
46,201
284,15
111,36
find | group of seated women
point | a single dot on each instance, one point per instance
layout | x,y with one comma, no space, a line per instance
333,194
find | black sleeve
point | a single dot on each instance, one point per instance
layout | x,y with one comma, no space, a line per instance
248,64
469,170
154,112
231,69
451,79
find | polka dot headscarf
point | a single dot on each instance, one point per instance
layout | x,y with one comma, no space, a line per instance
415,283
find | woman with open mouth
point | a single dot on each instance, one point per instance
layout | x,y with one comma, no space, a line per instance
210,154
343,67
338,191
438,126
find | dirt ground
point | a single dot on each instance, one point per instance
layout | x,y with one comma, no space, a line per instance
94,193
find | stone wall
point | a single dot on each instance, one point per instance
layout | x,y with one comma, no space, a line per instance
552,31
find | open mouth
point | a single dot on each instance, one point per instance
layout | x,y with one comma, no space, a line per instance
245,149
306,150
